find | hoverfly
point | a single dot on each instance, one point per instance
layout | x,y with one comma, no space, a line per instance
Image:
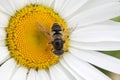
57,42
57,37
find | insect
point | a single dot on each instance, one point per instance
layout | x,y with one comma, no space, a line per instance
57,42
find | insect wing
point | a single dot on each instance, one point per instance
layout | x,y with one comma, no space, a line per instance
43,29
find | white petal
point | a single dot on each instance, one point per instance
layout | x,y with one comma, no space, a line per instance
75,75
69,7
84,69
58,5
2,37
57,72
96,58
43,75
32,75
6,7
20,74
2,25
4,54
94,3
48,3
18,4
100,46
2,33
34,1
7,69
105,31
4,20
95,15
3,43
59,66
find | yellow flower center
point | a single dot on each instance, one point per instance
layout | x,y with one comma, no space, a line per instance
28,42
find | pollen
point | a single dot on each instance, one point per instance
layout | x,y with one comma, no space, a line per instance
30,45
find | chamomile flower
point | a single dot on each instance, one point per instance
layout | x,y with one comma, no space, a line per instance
26,51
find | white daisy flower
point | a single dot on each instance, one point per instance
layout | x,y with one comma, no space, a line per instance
27,51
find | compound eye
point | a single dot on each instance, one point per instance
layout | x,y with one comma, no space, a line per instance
56,27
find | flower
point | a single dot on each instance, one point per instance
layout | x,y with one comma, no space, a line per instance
24,43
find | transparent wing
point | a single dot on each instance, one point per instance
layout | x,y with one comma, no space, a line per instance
43,29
